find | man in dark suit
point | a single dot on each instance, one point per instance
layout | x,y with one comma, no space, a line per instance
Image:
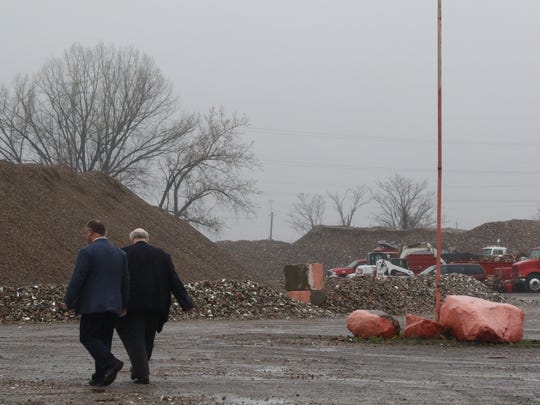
98,291
152,279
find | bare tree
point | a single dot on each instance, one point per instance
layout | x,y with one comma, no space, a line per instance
204,172
404,204
307,212
101,108
12,141
348,204
110,109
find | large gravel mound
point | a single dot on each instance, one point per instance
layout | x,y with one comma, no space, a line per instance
44,210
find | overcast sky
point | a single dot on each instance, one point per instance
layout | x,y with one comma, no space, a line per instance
338,93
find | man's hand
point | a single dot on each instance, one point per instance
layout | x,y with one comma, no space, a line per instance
63,306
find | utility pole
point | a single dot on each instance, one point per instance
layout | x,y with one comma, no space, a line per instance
439,161
271,219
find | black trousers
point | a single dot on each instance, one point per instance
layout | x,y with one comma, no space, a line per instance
95,333
137,331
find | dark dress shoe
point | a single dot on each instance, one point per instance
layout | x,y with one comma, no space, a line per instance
110,375
141,380
95,382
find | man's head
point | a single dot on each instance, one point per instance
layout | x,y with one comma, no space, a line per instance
138,235
94,229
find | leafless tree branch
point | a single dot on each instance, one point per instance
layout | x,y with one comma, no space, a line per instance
307,212
348,203
404,204
204,171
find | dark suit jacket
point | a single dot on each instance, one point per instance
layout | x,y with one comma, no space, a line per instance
152,279
99,282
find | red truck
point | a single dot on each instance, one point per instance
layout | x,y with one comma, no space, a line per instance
526,273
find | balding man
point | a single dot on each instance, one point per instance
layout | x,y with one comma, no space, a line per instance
152,279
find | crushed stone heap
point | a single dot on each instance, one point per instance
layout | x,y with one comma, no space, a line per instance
226,299
44,210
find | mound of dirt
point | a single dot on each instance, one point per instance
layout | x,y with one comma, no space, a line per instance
44,210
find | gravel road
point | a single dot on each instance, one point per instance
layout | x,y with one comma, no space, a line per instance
273,362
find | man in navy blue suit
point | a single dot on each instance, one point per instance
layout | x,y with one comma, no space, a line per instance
98,291
152,279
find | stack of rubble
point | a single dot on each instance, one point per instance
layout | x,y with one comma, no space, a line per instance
225,299
401,295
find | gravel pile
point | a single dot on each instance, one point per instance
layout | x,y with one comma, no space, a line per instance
401,295
225,299
44,210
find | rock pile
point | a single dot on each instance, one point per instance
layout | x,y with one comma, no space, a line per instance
35,303
401,295
225,299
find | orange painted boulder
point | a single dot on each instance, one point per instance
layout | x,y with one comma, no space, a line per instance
363,323
418,327
474,319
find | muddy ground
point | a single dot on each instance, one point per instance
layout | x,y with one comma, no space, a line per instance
273,362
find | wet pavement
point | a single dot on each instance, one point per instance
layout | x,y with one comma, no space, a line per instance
273,362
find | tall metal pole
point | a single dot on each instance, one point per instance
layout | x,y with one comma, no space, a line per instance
271,219
439,160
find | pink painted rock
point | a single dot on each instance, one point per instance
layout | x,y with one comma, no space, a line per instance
418,327
475,319
366,324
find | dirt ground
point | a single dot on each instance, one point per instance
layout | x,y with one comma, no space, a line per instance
273,362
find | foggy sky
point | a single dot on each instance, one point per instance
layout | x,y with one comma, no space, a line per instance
337,93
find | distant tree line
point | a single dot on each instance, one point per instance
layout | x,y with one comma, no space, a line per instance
403,204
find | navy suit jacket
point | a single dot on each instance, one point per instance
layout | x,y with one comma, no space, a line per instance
100,280
152,279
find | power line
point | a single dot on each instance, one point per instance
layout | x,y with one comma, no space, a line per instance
322,165
352,185
380,138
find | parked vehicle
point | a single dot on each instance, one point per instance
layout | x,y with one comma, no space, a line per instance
347,271
492,258
410,259
386,269
497,251
384,251
415,257
419,261
526,273
470,269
